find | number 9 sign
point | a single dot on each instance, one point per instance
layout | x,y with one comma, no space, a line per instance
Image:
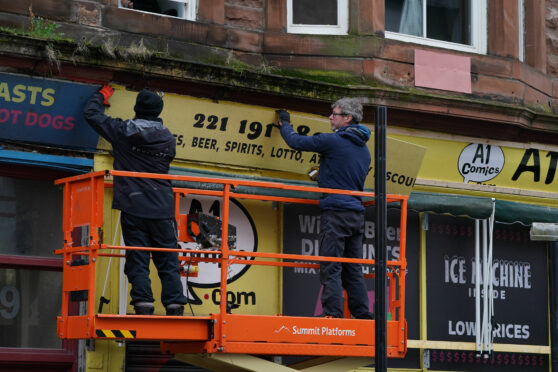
9,302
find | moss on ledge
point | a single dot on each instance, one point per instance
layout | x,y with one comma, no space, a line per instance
145,56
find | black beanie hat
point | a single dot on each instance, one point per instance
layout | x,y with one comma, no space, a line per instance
148,103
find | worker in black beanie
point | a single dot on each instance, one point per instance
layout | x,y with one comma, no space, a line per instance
143,144
149,105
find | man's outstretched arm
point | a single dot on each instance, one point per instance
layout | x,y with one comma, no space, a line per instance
94,114
316,143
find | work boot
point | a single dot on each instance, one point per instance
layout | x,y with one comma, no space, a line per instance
324,315
144,308
175,310
365,316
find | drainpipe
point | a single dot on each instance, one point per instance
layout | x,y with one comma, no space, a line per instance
380,241
553,288
549,232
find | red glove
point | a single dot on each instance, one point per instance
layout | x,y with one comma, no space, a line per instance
107,92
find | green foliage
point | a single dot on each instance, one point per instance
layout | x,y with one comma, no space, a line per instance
44,29
39,28
11,31
324,76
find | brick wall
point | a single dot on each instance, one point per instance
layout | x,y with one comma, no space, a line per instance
245,14
254,32
87,12
552,37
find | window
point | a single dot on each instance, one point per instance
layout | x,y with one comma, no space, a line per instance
30,275
185,9
30,217
29,303
30,229
451,24
326,17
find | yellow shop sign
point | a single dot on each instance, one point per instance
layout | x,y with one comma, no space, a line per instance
521,167
228,133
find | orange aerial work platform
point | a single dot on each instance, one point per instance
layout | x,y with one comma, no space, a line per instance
222,332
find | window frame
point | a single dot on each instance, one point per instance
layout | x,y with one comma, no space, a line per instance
65,357
191,13
479,32
342,27
521,29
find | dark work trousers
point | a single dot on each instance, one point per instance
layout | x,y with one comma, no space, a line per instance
157,233
341,235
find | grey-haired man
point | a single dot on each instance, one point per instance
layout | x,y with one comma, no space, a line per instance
345,160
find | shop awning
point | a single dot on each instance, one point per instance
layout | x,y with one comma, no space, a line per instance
456,205
544,231
481,208
62,163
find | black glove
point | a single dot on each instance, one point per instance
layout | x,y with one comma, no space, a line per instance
284,116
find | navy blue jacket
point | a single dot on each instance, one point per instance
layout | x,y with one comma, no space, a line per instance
344,164
138,145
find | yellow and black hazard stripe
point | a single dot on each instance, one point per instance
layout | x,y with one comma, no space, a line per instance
115,333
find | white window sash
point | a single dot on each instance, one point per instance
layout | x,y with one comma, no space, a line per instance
189,14
341,28
521,27
478,32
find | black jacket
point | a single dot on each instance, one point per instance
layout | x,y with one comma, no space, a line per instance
344,164
138,145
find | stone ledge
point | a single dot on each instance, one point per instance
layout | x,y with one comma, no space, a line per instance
27,55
